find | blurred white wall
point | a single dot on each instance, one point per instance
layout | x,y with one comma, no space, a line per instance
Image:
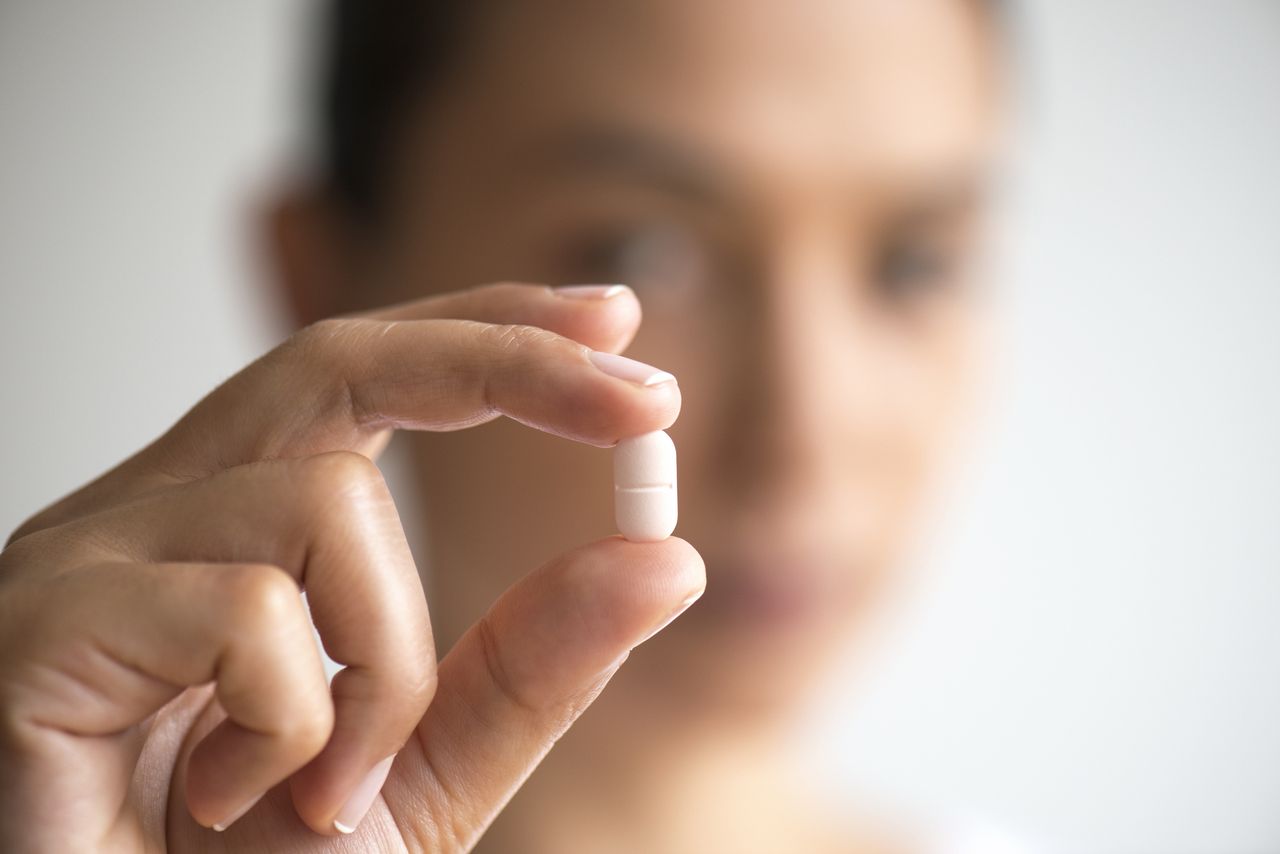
1091,653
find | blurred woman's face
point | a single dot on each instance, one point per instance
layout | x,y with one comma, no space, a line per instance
793,190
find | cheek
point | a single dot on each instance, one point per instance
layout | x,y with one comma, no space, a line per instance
923,385
887,407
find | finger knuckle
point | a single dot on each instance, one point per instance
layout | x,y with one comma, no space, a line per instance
261,598
309,726
51,550
509,338
325,348
495,668
31,525
17,556
47,531
324,336
342,474
419,684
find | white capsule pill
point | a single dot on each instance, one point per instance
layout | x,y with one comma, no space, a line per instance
644,487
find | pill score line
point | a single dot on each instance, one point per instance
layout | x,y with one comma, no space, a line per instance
644,487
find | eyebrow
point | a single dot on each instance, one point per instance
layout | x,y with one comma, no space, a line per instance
646,158
947,194
655,160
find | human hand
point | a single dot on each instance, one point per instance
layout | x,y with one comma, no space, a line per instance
158,674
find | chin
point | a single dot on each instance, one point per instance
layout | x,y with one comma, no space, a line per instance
761,640
710,668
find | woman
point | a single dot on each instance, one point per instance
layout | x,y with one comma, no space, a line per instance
793,192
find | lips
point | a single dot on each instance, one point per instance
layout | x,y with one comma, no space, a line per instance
777,594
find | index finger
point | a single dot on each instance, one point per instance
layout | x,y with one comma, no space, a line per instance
538,355
340,383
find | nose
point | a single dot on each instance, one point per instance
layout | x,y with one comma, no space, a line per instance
790,379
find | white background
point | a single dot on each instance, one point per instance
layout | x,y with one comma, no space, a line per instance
1092,655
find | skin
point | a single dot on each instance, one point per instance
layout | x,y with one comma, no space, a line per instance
793,193
158,672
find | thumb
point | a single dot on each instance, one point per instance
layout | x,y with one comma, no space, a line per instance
524,673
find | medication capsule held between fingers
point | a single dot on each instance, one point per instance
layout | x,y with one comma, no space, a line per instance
644,487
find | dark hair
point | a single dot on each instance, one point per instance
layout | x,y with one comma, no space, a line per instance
379,56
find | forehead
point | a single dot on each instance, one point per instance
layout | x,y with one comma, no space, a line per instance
880,86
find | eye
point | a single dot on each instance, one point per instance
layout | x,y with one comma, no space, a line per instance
913,269
655,258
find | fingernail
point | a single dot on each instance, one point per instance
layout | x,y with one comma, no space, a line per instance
667,620
589,291
235,816
630,370
361,798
